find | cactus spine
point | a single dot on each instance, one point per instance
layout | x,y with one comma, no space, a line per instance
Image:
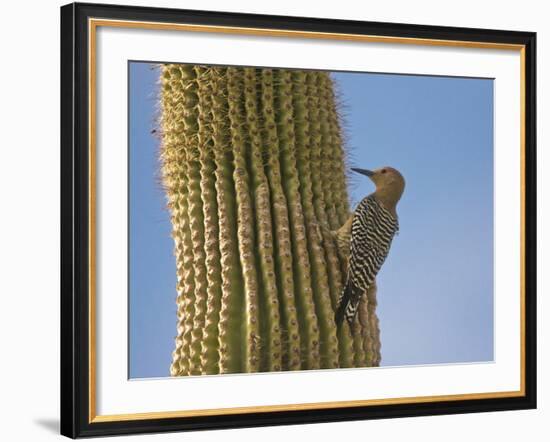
253,166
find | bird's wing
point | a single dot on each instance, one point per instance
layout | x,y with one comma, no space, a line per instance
372,231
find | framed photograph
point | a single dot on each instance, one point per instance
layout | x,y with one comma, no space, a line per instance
275,220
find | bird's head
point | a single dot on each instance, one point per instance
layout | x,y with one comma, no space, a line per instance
389,182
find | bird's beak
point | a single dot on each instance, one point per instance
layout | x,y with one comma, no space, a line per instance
366,172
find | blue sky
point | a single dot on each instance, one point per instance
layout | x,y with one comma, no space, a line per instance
435,291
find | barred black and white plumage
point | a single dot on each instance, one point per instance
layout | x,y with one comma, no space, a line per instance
372,230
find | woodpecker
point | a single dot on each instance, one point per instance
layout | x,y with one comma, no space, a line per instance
368,235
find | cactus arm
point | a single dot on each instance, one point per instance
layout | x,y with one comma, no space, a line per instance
253,168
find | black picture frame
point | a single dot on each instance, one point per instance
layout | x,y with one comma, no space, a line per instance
75,195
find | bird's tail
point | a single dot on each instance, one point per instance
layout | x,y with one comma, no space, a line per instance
348,304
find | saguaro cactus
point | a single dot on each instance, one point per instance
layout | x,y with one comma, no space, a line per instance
253,166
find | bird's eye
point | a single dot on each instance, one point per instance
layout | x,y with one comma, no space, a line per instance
383,171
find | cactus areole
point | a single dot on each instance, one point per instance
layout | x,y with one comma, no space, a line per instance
254,172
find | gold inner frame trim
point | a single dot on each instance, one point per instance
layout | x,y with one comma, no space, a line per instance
93,24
